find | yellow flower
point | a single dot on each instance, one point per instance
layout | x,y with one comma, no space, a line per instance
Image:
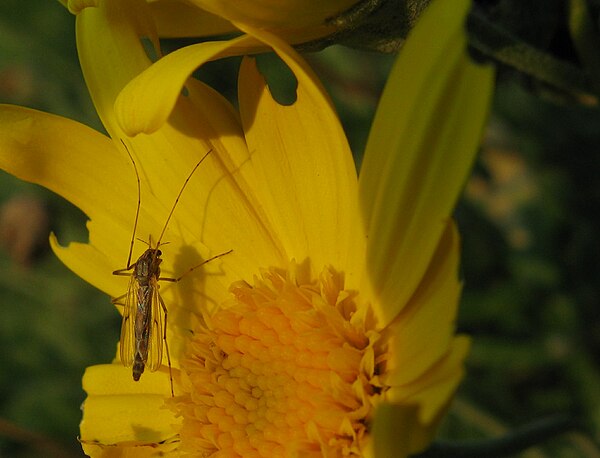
329,329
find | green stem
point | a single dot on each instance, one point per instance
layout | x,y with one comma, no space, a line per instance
501,45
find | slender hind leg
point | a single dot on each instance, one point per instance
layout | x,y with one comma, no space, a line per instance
117,300
191,269
164,307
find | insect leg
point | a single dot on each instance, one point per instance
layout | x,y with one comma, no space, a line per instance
117,300
190,270
137,210
124,272
179,196
164,307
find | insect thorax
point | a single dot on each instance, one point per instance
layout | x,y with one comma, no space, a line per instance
148,266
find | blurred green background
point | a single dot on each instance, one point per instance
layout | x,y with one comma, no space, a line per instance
530,221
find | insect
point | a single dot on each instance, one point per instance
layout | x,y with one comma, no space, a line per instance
144,325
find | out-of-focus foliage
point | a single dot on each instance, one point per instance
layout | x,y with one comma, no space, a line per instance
52,324
530,220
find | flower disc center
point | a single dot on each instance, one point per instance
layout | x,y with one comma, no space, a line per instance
284,369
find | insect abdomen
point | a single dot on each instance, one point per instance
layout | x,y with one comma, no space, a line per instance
138,367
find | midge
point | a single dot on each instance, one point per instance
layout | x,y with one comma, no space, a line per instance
144,325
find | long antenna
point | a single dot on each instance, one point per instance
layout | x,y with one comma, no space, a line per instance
179,195
137,211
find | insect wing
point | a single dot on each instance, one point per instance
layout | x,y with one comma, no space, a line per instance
155,345
127,341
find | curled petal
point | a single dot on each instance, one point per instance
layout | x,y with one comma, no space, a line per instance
138,111
107,34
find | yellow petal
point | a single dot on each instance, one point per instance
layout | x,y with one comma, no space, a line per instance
433,391
146,102
109,37
406,422
306,178
177,19
94,266
63,155
392,429
118,410
131,450
76,6
397,431
420,151
423,331
275,13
